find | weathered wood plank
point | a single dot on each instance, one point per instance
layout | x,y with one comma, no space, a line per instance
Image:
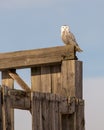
36,79
8,81
56,79
47,109
19,99
79,79
36,112
67,106
52,112
72,78
37,57
19,80
71,87
65,78
33,111
69,121
1,120
80,121
57,113
7,115
46,79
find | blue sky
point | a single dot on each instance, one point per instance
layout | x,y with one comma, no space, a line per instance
28,24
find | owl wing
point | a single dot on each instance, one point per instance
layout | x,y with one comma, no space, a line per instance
70,36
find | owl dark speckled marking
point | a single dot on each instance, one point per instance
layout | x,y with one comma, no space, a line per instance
68,38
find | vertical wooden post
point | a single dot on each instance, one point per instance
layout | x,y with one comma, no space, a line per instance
72,87
1,121
9,82
80,124
72,78
7,122
68,121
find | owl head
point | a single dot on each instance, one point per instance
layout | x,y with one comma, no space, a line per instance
65,28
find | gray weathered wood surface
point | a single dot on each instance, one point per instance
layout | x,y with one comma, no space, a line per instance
49,111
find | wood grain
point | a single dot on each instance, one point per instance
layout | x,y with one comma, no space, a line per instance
80,123
8,82
56,79
45,79
29,58
20,99
72,78
55,98
1,120
36,79
7,113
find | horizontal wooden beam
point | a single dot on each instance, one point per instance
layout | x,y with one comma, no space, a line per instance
19,99
29,58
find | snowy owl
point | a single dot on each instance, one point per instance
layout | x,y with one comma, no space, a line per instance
68,38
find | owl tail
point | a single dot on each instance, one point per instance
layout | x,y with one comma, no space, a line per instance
78,49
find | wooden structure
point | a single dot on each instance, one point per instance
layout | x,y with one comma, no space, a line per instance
54,99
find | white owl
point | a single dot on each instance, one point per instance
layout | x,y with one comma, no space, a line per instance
68,38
